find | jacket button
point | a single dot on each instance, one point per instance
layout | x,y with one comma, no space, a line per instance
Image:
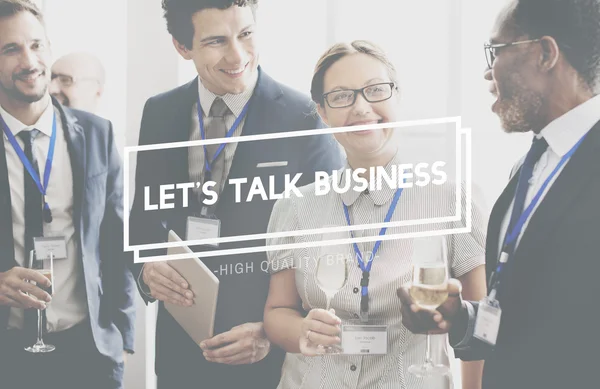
355,290
353,368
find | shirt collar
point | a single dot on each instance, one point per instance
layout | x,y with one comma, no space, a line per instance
379,197
235,103
565,131
43,124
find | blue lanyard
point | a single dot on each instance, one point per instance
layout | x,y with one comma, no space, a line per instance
511,236
235,125
366,268
34,175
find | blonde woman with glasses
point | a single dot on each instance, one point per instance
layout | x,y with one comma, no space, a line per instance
355,84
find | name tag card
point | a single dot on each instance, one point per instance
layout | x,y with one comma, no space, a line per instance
55,245
202,228
364,339
487,323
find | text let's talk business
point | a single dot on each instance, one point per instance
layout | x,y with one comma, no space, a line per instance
400,176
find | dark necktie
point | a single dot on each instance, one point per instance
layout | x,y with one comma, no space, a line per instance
33,224
33,197
215,129
535,152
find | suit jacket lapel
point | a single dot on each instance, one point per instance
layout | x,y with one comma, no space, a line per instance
573,179
7,253
497,216
176,128
7,248
261,104
75,139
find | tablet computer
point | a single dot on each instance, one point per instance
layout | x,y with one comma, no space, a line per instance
197,320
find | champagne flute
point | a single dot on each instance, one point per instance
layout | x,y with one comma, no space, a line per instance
429,290
331,273
45,267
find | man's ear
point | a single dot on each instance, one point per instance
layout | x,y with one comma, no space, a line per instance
182,50
550,52
100,90
322,113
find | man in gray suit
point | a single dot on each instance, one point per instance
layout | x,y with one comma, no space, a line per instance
60,177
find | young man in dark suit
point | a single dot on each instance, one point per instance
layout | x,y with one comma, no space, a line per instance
538,326
91,315
232,96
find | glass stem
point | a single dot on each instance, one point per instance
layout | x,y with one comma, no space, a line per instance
428,351
328,297
39,336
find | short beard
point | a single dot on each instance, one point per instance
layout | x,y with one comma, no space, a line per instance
521,112
15,94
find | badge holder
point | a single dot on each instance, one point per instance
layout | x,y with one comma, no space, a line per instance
55,246
487,323
199,228
364,337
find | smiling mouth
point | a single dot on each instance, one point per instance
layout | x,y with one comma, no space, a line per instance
235,72
30,77
364,122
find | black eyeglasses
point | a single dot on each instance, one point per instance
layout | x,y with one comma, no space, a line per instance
372,93
491,49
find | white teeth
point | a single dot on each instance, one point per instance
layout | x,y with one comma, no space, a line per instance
31,77
234,72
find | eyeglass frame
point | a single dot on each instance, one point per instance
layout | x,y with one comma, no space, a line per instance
362,92
491,48
73,81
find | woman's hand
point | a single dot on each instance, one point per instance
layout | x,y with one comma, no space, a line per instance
320,328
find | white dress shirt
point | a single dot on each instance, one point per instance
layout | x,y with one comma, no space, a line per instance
69,304
236,104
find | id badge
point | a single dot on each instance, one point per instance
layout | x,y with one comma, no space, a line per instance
45,246
199,228
364,339
487,323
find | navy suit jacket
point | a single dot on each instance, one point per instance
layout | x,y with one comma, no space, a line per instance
548,334
243,284
98,221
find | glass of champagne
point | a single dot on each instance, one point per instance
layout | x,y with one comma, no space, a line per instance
429,290
331,273
45,267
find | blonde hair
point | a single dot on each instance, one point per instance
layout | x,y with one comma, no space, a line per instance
340,50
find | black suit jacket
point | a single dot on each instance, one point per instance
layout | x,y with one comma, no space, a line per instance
98,222
548,334
243,281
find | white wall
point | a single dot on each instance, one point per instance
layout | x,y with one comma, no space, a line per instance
151,68
103,33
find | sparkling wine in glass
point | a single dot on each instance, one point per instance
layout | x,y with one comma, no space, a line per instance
429,289
45,267
331,273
